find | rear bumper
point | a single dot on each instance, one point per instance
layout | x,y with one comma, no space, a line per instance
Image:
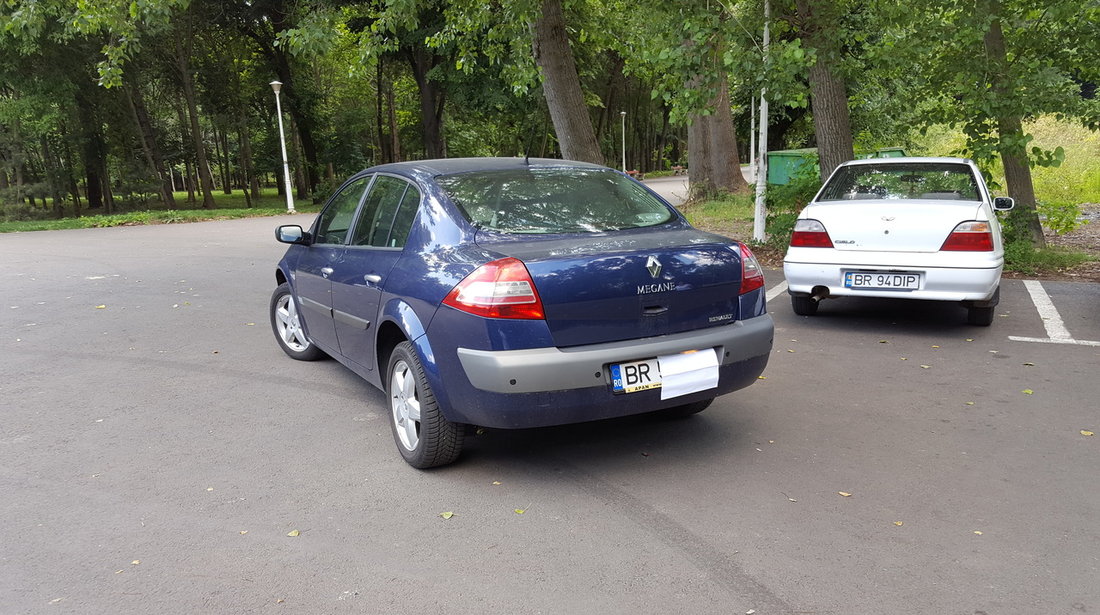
552,386
937,284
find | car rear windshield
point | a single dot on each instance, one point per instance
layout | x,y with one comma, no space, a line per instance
923,180
554,201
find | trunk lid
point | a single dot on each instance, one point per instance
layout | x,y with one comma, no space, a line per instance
630,284
891,226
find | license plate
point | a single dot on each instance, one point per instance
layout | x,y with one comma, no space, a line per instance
882,280
635,376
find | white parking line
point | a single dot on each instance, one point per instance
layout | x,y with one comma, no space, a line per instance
778,288
1052,320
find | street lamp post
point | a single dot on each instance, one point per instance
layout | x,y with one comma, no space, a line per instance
278,85
622,114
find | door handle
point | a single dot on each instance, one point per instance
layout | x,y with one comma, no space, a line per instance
372,278
326,272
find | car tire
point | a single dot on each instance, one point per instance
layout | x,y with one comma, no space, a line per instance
287,326
980,316
686,410
424,437
804,305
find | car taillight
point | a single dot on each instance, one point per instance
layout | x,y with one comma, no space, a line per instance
752,276
973,236
500,289
810,234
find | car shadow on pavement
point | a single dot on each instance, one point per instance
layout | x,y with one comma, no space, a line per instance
879,315
718,431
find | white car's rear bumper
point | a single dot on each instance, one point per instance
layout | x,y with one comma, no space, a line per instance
937,283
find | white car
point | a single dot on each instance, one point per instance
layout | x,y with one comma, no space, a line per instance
912,228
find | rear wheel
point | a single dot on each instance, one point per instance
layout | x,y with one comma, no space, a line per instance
980,316
287,325
803,305
424,438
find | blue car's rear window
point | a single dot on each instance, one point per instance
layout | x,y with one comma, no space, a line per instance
540,200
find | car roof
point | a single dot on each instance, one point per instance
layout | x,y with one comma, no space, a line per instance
449,166
910,160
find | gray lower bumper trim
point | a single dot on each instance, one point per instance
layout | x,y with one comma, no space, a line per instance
555,369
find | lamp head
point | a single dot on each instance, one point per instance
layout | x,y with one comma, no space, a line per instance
276,85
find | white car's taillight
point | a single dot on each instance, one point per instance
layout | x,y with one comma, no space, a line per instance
972,236
752,276
499,289
810,234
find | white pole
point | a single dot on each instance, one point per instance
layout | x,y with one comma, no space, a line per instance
752,138
622,114
760,215
277,85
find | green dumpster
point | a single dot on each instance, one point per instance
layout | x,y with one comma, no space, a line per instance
785,163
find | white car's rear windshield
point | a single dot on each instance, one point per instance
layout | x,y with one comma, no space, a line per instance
920,180
553,201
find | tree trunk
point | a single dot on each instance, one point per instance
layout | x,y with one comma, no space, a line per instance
828,95
422,61
712,148
149,145
1024,217
93,149
183,54
562,86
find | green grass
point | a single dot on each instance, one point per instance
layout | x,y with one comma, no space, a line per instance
1021,257
227,207
720,211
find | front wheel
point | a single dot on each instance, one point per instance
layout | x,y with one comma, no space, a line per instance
287,325
424,438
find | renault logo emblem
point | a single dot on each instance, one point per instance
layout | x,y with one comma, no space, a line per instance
653,266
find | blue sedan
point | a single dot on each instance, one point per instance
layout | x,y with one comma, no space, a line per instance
513,293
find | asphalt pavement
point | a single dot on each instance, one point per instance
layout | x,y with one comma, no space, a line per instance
160,454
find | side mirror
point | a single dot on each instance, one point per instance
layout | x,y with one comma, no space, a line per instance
292,233
1003,203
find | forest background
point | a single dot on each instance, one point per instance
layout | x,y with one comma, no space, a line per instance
118,106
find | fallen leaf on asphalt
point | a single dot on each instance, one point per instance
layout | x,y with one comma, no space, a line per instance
789,350
1029,364
883,341
904,359
934,346
209,488
761,377
243,532
446,515
293,533
970,339
970,403
899,523
520,511
135,562
978,532
1085,432
925,366
100,307
118,572
844,494
250,324
497,482
1028,392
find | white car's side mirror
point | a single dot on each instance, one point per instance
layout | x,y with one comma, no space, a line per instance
1003,203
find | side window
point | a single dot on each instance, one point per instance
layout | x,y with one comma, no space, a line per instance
385,204
336,219
404,219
